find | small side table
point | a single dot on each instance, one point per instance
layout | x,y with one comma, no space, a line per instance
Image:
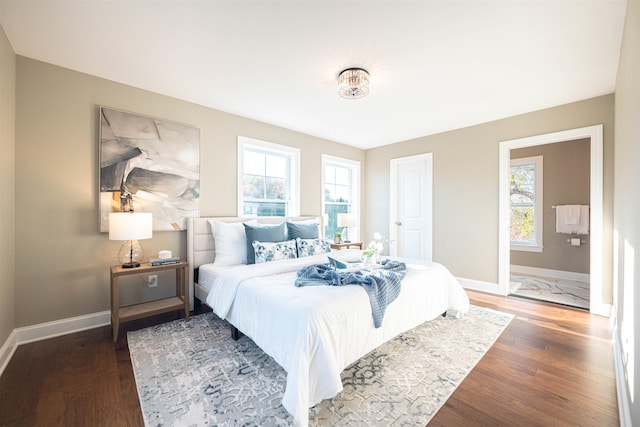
145,309
345,245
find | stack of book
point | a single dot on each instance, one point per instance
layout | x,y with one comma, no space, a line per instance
164,261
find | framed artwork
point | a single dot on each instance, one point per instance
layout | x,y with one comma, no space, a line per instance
148,165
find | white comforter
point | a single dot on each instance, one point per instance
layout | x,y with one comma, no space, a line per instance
315,332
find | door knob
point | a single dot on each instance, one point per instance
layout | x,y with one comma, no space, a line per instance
398,223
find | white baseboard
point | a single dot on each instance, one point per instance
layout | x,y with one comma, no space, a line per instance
601,309
553,274
478,285
46,330
7,350
56,328
624,405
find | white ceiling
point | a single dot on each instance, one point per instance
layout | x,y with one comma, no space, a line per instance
435,65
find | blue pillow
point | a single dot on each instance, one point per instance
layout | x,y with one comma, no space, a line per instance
296,230
261,233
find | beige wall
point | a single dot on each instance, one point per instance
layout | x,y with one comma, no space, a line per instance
565,182
465,184
7,186
62,260
627,205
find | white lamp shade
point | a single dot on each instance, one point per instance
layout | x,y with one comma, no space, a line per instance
346,220
130,225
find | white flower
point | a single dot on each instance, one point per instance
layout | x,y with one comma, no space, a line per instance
376,246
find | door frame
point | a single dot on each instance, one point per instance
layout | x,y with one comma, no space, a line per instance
393,200
595,134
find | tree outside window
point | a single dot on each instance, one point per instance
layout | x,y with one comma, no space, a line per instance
526,201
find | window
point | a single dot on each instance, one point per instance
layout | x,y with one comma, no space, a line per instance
268,179
526,204
341,193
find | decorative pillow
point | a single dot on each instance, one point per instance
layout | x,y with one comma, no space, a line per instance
230,242
308,247
303,231
261,233
269,251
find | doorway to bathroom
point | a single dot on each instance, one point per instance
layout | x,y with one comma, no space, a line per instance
549,260
593,241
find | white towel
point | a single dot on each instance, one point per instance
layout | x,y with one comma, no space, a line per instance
572,219
570,214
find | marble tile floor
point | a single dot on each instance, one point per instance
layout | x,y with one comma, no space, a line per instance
559,291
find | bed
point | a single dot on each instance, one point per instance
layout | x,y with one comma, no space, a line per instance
313,332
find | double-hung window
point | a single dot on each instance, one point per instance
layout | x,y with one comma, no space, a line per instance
341,193
526,204
268,179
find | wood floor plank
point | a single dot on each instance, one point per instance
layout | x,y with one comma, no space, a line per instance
552,365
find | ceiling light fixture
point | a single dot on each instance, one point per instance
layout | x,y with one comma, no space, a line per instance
353,83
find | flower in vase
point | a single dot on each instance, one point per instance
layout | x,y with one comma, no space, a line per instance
376,246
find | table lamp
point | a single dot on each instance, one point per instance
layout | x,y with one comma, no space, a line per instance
130,227
346,220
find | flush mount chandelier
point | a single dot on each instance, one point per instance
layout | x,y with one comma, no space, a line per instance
353,83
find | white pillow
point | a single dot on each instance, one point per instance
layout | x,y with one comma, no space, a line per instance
308,247
230,242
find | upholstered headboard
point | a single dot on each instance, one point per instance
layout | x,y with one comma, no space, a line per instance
201,247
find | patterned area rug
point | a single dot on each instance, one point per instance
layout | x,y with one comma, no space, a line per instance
193,374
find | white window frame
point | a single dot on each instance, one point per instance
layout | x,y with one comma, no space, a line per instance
538,207
293,204
354,165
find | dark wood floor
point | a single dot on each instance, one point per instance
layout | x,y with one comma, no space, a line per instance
552,366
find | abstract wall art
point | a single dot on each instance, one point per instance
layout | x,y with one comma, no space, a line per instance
148,165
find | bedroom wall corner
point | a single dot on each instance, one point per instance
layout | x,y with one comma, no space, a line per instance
7,201
62,260
466,184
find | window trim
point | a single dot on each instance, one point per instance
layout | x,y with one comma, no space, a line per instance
293,207
354,165
538,205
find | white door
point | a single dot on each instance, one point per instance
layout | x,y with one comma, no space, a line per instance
411,207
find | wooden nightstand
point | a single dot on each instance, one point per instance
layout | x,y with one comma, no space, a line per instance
346,245
138,311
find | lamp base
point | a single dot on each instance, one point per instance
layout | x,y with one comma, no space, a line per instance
346,237
130,254
131,265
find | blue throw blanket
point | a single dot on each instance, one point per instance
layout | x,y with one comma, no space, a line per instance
382,284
